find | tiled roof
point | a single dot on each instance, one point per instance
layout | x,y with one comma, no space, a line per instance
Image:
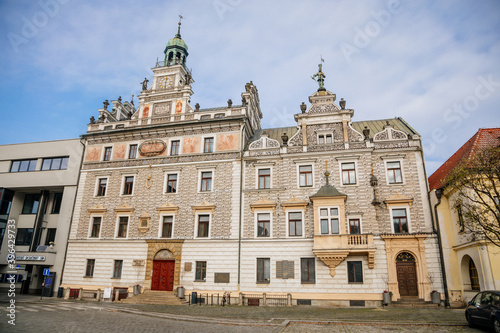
485,137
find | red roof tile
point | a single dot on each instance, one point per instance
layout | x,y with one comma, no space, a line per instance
485,137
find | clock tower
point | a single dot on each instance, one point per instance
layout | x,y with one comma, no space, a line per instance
170,92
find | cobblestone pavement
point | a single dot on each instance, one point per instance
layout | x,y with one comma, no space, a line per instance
68,316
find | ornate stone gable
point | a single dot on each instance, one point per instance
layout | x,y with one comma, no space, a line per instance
263,143
389,134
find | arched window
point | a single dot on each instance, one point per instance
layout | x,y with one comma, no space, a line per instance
474,279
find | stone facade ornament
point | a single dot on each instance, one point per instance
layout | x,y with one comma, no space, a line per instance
303,107
342,104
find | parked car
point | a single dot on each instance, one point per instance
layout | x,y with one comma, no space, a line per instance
484,310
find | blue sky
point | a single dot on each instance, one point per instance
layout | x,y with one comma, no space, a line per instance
434,63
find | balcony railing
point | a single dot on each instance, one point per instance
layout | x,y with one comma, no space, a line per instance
346,242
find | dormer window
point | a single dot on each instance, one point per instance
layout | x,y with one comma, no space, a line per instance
325,138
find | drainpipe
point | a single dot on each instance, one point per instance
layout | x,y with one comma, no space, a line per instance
241,202
439,194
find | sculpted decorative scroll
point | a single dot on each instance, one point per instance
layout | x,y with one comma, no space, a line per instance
152,147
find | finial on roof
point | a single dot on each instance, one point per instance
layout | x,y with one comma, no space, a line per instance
119,99
179,28
327,174
106,103
132,100
320,76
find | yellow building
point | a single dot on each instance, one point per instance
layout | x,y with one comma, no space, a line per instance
472,263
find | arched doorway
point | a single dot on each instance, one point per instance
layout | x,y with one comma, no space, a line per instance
163,271
407,274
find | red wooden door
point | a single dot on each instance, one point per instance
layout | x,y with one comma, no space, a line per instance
163,275
407,278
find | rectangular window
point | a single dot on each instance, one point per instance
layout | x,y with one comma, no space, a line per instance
354,226
394,173
51,236
324,138
96,227
203,225
55,163
89,270
206,181
263,225
122,227
348,173
307,270
400,220
56,203
295,224
107,154
117,269
305,176
174,147
128,185
355,271
23,165
209,145
329,221
264,178
166,230
101,187
132,152
24,236
201,271
171,183
263,270
31,203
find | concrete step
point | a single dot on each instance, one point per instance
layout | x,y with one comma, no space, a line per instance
154,297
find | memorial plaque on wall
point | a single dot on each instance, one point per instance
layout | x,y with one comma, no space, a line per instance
188,266
221,277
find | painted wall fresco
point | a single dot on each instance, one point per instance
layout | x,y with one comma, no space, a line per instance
119,151
178,107
93,154
145,111
191,145
228,141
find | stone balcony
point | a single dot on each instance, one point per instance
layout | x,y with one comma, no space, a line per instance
333,249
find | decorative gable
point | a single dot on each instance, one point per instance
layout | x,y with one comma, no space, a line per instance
264,143
389,133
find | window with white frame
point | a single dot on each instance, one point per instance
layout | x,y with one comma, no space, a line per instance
167,226
394,173
305,175
354,226
171,183
263,270
117,269
295,224
107,153
206,178
348,173
122,228
400,220
95,227
329,220
201,271
264,178
307,270
203,229
263,224
102,184
325,138
208,145
89,269
128,185
175,147
132,152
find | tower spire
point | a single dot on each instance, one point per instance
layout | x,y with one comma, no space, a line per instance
179,27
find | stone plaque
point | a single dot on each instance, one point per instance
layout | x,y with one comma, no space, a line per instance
188,266
221,277
161,109
138,262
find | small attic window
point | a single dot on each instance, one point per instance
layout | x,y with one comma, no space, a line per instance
325,138
219,115
120,126
108,127
205,117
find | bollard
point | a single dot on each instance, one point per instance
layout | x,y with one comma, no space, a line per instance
117,295
80,294
240,299
66,293
98,295
289,296
264,299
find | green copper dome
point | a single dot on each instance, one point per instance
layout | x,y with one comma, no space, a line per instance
177,41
